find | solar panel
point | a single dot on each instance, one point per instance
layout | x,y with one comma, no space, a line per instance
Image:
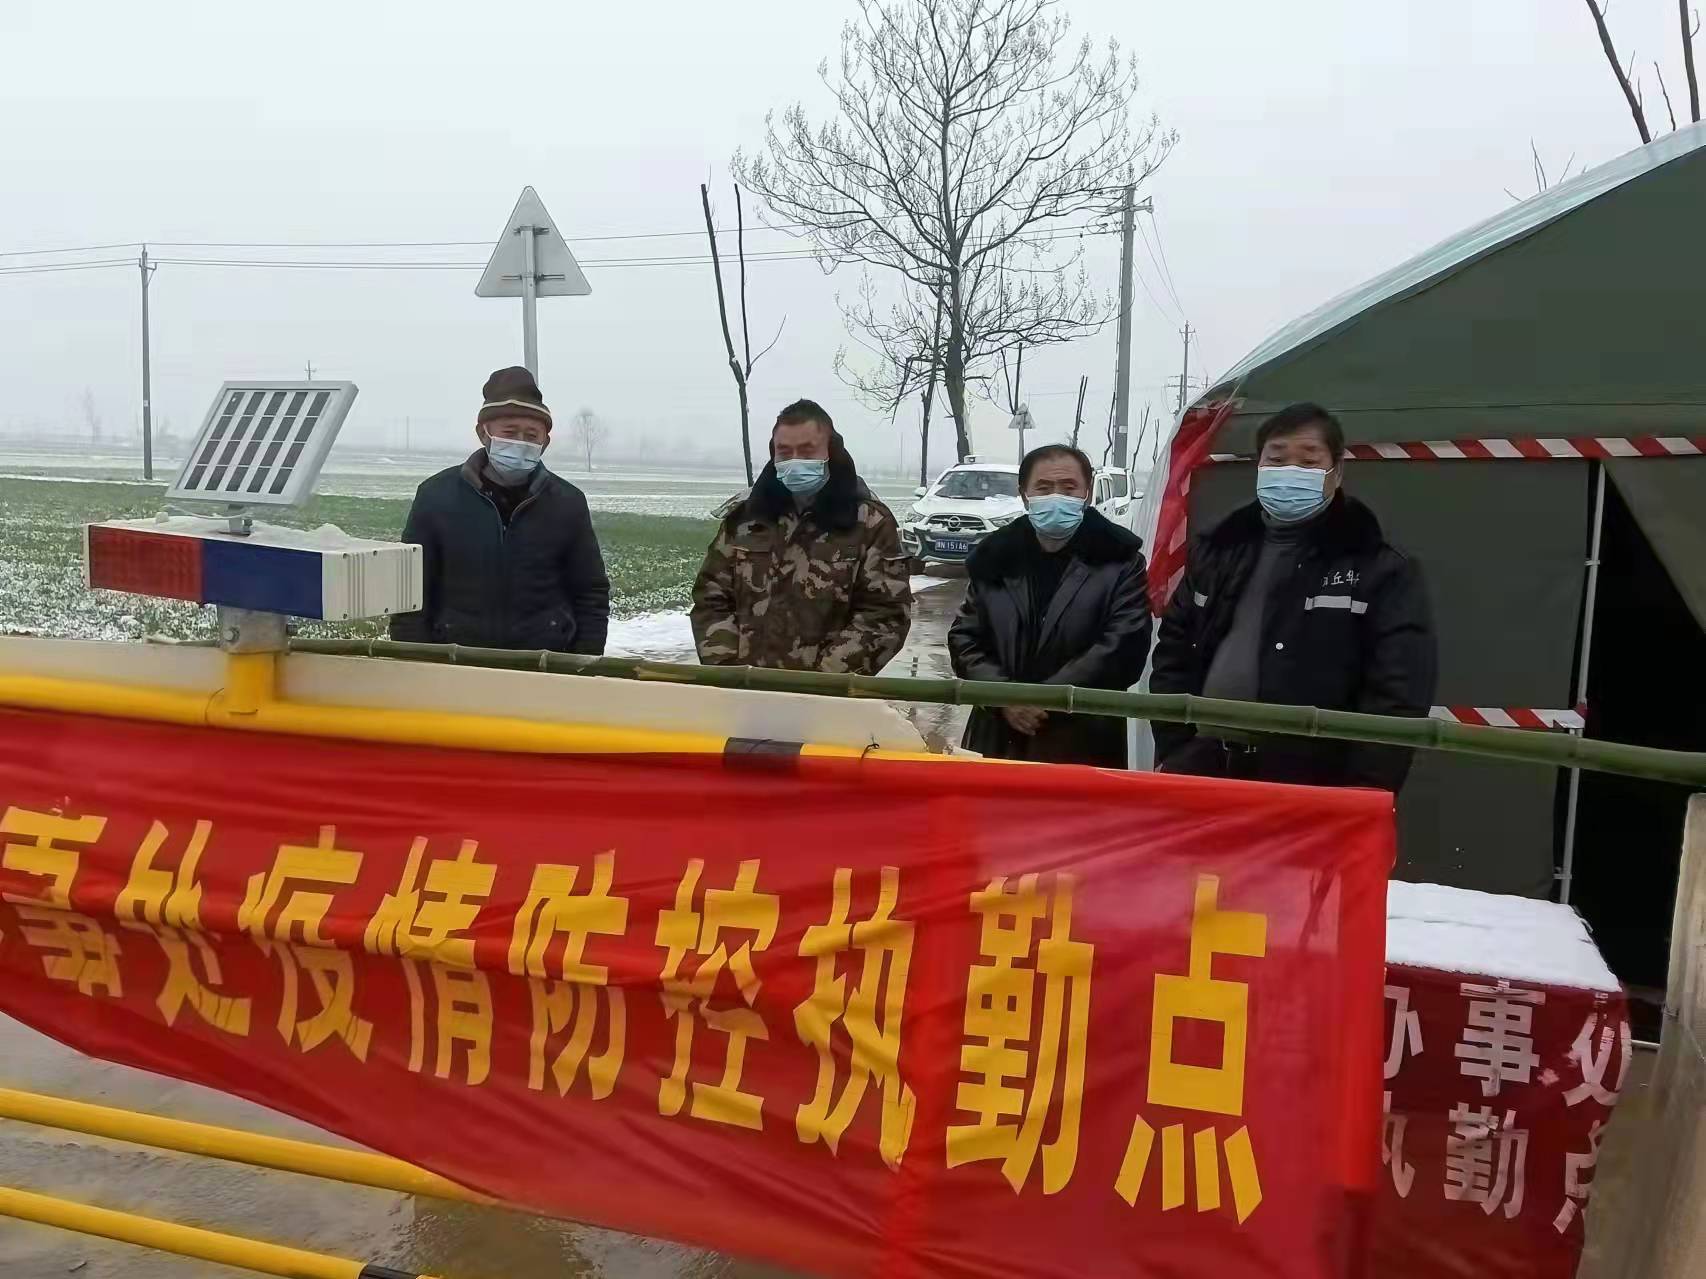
263,443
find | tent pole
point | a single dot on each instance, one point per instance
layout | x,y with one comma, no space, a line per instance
1567,873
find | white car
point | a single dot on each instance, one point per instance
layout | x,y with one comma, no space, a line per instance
970,501
966,504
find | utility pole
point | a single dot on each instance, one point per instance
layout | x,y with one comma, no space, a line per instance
310,370
1122,377
1185,372
146,269
1078,413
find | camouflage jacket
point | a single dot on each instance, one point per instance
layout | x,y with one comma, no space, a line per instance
824,589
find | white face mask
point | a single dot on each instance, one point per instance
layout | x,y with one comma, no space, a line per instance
513,460
1291,494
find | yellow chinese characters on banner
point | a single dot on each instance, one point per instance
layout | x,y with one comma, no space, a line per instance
870,1013
686,931
1210,1090
166,904
77,949
1012,1075
426,924
570,994
286,922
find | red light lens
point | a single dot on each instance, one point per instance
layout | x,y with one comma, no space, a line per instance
141,563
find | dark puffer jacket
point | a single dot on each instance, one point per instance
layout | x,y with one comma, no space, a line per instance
538,582
1348,628
1095,634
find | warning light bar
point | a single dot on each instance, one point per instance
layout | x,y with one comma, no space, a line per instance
323,575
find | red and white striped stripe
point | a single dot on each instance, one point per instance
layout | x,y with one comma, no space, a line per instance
1512,717
1597,447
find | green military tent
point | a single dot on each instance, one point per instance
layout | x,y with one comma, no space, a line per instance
1526,409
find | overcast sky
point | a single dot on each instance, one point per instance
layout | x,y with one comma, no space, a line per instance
1320,142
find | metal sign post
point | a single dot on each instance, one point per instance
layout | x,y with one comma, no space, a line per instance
530,299
531,261
1021,422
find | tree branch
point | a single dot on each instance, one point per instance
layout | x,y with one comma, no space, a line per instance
1659,71
728,341
740,251
1629,94
1689,31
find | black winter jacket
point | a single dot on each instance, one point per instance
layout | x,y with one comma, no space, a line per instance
538,583
1095,634
1348,628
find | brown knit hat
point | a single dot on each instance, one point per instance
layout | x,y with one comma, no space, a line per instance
512,392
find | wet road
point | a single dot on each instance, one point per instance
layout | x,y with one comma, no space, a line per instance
925,656
457,1241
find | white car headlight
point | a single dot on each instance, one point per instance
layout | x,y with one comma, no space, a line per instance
1000,520
912,516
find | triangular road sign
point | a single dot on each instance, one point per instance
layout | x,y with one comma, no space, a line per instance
1021,421
555,270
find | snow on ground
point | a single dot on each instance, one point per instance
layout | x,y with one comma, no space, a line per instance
668,637
1457,930
661,637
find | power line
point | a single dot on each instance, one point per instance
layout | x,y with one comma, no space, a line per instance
57,267
80,248
1165,266
1160,275
1147,290
1043,235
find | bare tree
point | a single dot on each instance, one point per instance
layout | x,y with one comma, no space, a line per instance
967,134
586,429
1626,79
908,355
91,414
740,365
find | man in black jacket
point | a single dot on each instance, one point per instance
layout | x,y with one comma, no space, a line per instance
511,559
1297,599
1057,597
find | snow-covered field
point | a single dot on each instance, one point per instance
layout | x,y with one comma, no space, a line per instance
653,527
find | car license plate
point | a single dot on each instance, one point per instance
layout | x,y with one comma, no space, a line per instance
953,545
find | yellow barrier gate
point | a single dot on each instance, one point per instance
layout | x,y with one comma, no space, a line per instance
280,1154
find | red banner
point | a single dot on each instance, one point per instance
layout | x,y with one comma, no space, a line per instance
855,1017
1497,1097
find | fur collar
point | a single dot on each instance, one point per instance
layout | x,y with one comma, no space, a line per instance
836,505
1098,541
1347,525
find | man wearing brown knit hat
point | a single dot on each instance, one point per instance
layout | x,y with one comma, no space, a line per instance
511,559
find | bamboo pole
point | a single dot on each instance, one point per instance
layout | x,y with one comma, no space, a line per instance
1519,746
188,1241
281,1154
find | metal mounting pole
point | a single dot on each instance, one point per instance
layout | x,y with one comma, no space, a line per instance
147,375
529,300
1567,871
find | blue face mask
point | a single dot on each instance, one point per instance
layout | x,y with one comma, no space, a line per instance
803,476
513,460
1055,516
1290,494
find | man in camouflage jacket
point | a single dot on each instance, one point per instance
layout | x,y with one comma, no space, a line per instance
806,571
